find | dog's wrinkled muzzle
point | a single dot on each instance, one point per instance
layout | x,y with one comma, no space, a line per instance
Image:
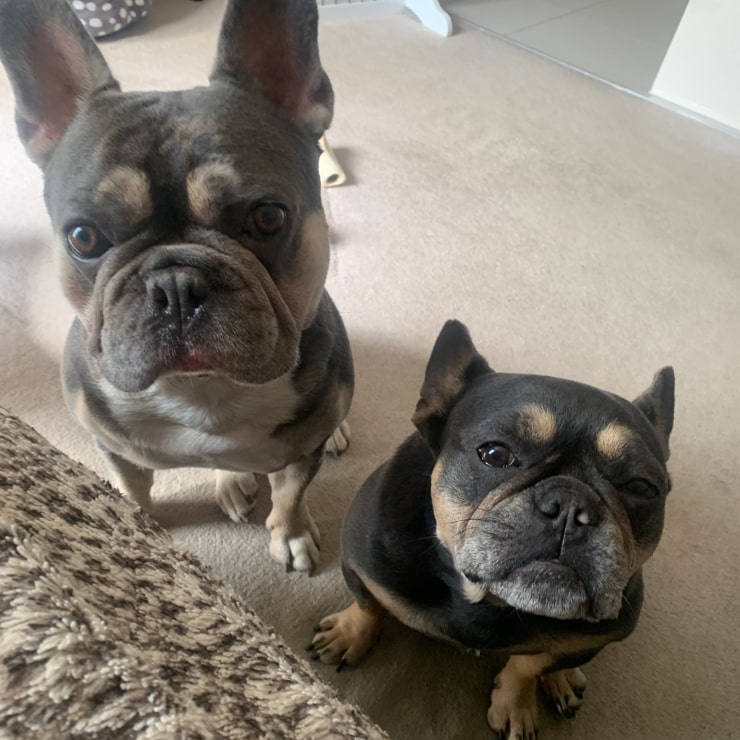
552,550
191,308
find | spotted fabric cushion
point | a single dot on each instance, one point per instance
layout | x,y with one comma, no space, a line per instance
103,17
109,630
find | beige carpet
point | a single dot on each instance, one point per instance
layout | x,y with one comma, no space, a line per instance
578,231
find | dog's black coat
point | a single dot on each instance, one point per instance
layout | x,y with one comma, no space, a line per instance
515,520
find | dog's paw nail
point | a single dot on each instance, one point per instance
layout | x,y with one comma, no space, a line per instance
578,693
342,665
318,628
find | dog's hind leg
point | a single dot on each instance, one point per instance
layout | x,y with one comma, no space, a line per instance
294,536
131,480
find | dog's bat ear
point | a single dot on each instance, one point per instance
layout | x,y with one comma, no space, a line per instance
273,44
453,366
53,66
657,403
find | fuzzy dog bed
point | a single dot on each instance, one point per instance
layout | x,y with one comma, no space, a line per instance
103,17
107,629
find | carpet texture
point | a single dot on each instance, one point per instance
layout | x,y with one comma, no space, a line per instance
579,232
108,630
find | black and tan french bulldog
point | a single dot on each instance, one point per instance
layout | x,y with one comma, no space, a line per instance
194,249
516,520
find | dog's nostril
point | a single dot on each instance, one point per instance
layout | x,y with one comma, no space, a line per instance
191,295
195,294
177,294
550,509
159,297
472,577
549,503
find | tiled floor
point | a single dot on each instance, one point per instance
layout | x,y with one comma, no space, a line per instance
622,41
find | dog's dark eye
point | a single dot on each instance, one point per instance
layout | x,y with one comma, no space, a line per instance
266,220
640,487
497,455
86,241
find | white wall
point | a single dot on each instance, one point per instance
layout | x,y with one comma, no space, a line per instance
701,70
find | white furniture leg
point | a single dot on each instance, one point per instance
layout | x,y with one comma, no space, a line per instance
432,15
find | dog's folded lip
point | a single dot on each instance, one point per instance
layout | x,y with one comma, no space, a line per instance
174,374
538,585
192,362
555,564
542,565
185,373
544,569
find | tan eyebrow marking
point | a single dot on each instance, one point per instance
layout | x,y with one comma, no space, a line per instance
206,187
612,439
537,423
129,187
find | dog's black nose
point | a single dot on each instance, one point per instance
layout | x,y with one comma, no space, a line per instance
176,293
560,503
472,577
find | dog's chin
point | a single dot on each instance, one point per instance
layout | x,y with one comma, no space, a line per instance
264,351
141,372
551,589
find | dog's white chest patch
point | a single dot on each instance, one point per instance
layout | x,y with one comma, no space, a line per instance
205,422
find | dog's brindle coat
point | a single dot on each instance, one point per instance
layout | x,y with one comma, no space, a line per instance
517,520
194,250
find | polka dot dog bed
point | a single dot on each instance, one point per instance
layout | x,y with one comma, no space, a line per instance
103,17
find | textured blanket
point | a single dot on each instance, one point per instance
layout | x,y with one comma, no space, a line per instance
107,629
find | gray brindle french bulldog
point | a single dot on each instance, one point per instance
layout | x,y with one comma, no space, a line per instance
194,249
516,520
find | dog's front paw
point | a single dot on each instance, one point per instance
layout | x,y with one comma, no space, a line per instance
513,710
236,494
338,443
346,636
294,543
566,689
